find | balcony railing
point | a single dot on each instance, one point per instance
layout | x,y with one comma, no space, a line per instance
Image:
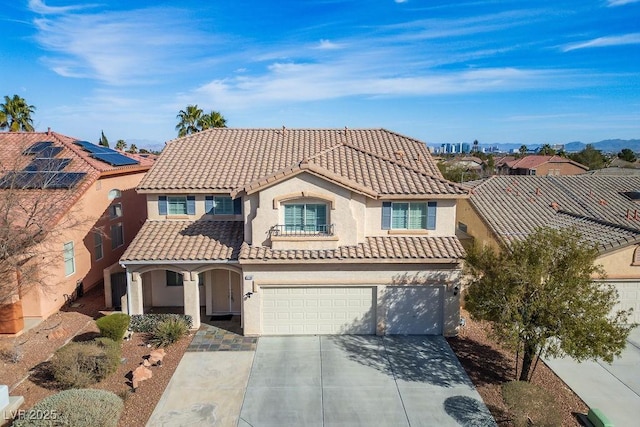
302,230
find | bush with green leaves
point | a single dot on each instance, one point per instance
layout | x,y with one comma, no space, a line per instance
147,322
78,365
528,402
114,326
169,331
77,407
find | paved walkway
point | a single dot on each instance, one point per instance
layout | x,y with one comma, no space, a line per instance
614,389
212,338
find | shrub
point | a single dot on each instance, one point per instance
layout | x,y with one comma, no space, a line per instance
78,365
527,401
78,407
168,332
113,326
147,322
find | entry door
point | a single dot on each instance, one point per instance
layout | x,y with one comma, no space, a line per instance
118,289
226,296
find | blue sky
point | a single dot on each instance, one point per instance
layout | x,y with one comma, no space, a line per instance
440,71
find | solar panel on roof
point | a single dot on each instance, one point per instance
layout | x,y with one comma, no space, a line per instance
41,180
37,147
115,159
93,148
48,152
43,164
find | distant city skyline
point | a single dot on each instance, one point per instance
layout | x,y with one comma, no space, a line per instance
496,71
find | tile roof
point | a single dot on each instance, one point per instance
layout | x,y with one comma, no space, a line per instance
228,160
514,206
186,241
533,161
12,159
374,249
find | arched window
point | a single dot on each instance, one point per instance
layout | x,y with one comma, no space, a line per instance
114,194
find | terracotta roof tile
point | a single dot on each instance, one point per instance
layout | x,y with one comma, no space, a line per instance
226,159
396,248
514,206
186,241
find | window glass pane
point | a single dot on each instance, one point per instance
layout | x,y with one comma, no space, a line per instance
223,205
174,279
115,211
399,215
417,216
293,217
97,245
114,194
177,205
69,259
117,236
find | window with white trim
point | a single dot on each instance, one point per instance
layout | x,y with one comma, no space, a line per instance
409,215
69,259
117,235
305,217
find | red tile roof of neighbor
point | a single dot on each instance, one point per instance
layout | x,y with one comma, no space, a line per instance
532,162
375,162
12,159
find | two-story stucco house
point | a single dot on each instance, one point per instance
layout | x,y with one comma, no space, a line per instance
300,232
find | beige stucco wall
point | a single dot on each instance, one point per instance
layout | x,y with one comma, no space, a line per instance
379,275
617,264
445,220
476,227
89,213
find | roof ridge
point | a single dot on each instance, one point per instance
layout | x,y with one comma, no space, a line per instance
404,165
600,221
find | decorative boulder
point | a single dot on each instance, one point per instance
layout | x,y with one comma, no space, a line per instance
156,356
140,374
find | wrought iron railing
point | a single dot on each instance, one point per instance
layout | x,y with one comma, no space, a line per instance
302,230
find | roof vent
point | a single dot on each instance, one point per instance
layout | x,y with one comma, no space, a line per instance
555,206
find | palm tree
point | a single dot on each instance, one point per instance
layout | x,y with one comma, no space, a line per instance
15,114
133,149
189,120
212,120
121,145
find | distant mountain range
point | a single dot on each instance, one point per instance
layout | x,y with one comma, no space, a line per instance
606,146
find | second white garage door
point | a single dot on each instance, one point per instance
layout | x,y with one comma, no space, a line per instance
318,310
414,310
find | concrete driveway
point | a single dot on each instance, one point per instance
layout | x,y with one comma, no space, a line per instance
614,389
359,381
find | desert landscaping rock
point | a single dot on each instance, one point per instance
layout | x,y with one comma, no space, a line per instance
140,374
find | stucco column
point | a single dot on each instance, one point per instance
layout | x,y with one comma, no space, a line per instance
192,297
134,294
106,276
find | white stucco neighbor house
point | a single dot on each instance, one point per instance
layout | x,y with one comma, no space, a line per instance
300,231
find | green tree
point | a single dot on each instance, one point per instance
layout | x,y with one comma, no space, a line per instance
590,157
133,149
542,300
103,140
212,120
627,155
546,150
523,150
15,114
189,120
121,145
491,165
457,173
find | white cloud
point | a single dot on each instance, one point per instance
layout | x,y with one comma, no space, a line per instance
327,45
401,1
627,39
612,3
118,47
38,6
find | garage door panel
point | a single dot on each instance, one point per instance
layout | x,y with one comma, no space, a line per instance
628,297
414,310
318,310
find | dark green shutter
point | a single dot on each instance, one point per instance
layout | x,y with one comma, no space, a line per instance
191,205
386,215
431,215
237,206
162,205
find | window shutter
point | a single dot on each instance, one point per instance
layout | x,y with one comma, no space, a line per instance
191,205
162,205
386,215
208,205
237,206
431,215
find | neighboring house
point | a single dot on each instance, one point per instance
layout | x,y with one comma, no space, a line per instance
469,163
92,214
605,209
300,232
539,165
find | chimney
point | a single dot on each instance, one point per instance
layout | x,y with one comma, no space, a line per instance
49,131
538,192
555,206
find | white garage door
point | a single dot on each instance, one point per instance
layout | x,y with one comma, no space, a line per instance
414,310
318,310
629,297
